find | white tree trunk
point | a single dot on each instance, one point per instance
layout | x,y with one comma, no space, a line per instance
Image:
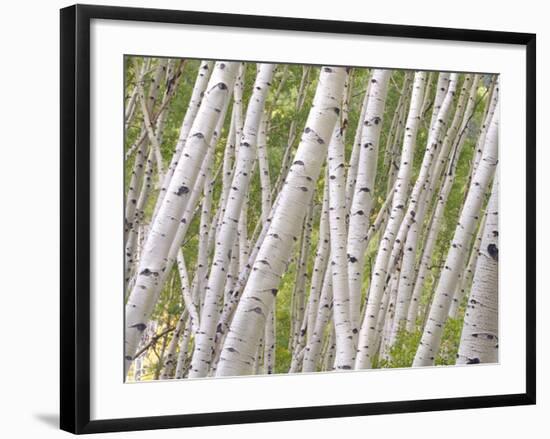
263,165
313,347
378,279
141,154
142,300
408,266
246,158
479,340
465,282
270,343
170,358
238,352
364,189
320,264
486,122
130,106
441,90
438,214
199,88
395,133
299,291
342,310
431,338
354,159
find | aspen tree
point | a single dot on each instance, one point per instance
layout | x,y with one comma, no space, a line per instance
342,310
407,274
238,352
364,188
228,229
199,88
399,200
479,339
141,300
431,337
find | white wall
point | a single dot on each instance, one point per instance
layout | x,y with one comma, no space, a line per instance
30,204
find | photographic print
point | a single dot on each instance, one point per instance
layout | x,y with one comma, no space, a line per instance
287,219
301,217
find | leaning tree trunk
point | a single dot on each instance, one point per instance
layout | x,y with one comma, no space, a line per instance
433,331
142,300
408,265
384,267
314,344
246,158
192,109
351,178
141,154
342,311
465,283
364,190
479,340
366,336
238,353
319,266
438,214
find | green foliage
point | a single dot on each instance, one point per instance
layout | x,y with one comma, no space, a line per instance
402,352
450,340
283,113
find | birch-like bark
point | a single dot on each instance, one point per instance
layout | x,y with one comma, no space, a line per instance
479,339
394,143
407,273
230,153
246,157
181,365
263,165
364,189
238,352
378,279
146,111
465,281
319,265
431,338
186,293
441,91
130,256
199,88
486,123
438,214
229,307
130,106
382,271
270,342
299,290
354,158
170,357
173,75
142,298
299,349
299,104
141,154
386,317
392,139
327,360
431,154
190,209
242,235
324,311
342,310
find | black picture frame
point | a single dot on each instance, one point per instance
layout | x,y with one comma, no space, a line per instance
75,217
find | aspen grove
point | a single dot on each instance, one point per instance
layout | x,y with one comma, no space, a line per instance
288,219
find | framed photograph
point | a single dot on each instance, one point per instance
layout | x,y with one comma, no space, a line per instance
274,218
